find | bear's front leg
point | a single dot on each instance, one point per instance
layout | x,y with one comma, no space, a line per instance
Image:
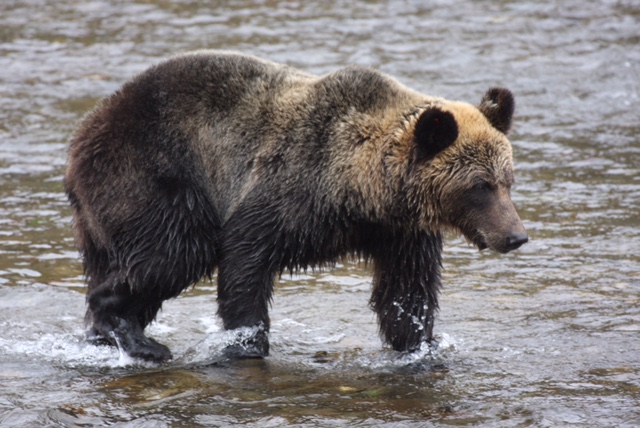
405,289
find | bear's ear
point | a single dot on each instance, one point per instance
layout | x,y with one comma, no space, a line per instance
498,105
435,131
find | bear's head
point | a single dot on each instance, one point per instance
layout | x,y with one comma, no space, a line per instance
462,170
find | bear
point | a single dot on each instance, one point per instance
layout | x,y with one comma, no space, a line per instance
218,162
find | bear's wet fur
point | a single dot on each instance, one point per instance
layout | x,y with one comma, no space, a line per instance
219,160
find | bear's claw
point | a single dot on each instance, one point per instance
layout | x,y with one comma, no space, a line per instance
256,346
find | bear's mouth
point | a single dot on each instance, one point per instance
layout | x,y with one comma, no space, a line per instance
476,238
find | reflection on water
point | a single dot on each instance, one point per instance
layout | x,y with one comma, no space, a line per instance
547,336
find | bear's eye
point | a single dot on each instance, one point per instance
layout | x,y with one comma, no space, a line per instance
483,186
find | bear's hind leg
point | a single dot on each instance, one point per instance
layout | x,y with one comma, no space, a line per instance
244,295
118,317
154,257
250,258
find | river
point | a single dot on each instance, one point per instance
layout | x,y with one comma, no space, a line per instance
547,336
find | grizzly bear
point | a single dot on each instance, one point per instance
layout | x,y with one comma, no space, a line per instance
223,160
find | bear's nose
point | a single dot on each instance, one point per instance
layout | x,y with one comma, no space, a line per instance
516,240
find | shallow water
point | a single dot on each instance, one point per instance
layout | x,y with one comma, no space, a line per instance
547,336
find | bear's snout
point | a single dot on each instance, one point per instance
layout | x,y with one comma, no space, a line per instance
515,241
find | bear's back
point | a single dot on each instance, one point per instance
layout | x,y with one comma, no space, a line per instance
205,84
216,118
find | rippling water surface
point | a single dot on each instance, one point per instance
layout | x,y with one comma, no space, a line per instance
548,336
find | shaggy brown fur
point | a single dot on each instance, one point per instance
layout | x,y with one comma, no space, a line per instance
221,160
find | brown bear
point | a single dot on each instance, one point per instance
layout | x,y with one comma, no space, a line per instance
223,160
